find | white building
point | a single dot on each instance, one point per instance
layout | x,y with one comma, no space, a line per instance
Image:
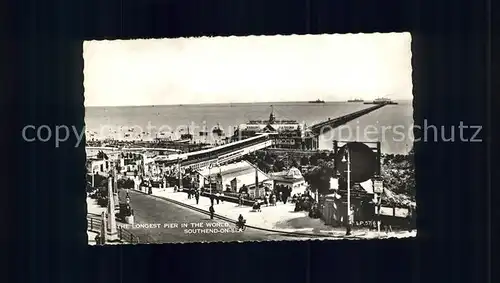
98,166
291,179
234,176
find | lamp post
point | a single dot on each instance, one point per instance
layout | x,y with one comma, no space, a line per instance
210,178
220,174
378,189
180,173
143,163
347,158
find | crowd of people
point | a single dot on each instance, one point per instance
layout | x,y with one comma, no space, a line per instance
193,193
306,202
303,202
271,198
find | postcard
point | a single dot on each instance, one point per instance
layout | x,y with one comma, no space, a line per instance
257,138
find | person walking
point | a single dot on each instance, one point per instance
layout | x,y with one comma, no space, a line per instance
212,211
97,239
197,196
241,223
349,221
285,197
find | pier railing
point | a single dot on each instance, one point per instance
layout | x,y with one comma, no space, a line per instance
332,123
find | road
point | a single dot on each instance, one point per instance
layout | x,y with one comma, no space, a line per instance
152,210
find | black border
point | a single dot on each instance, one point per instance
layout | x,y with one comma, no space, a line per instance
45,211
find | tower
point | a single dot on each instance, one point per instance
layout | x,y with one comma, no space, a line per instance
272,118
257,189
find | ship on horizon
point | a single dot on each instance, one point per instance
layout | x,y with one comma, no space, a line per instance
355,100
317,101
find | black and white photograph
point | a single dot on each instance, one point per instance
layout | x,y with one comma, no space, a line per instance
255,138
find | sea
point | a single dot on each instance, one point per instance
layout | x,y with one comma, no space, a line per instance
392,125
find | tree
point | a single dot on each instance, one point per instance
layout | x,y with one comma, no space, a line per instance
331,157
319,177
279,165
304,161
323,155
263,166
99,181
313,160
101,155
287,161
269,158
125,183
398,173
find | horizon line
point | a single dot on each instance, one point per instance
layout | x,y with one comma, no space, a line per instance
219,103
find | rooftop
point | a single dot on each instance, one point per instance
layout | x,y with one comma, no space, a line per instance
233,170
293,174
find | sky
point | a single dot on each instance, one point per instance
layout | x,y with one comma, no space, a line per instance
247,69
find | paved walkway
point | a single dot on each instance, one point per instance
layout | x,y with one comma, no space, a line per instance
267,218
93,207
280,217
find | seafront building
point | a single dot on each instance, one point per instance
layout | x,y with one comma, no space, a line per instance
98,166
291,179
285,133
232,177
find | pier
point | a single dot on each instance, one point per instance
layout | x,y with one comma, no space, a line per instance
236,150
333,123
230,152
217,155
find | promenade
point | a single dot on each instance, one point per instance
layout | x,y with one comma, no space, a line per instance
279,218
